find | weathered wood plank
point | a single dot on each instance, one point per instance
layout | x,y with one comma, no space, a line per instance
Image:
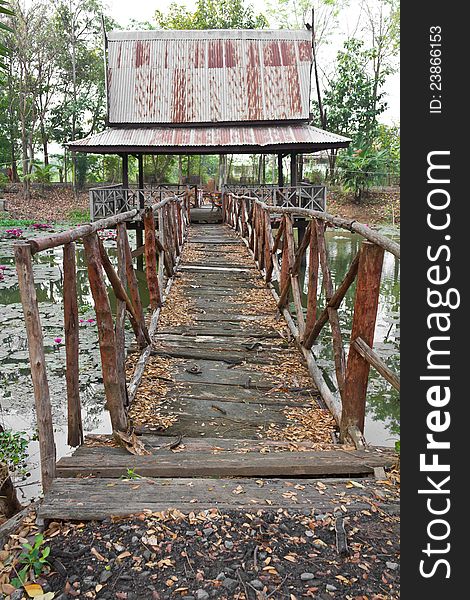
88,499
206,464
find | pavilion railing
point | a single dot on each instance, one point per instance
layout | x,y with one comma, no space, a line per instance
165,224
279,256
301,196
114,200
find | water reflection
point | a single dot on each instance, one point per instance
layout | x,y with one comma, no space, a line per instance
383,408
16,390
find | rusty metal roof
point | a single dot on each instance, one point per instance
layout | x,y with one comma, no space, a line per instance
211,139
210,76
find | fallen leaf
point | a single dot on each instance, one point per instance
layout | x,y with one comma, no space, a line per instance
8,589
97,555
33,590
290,558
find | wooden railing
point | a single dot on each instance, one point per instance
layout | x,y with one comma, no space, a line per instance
279,257
112,200
299,196
165,226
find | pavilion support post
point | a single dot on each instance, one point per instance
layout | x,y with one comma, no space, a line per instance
74,413
140,225
280,173
293,169
107,342
365,313
24,268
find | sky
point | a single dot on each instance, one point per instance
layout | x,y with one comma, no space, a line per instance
143,10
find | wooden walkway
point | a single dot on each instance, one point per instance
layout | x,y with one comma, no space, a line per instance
224,395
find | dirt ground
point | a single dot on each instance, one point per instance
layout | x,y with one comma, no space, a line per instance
51,203
230,555
377,206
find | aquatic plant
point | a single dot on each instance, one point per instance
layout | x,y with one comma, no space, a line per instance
14,233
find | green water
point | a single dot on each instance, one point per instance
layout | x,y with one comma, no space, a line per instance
16,392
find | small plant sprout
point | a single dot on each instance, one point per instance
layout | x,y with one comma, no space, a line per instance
131,474
33,560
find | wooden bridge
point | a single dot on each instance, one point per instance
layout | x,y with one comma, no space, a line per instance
220,402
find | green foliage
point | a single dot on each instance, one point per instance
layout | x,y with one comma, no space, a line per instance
351,100
78,216
211,14
14,451
6,221
397,446
33,560
388,140
131,474
4,51
41,173
359,167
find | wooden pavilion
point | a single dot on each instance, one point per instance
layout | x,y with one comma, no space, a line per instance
208,92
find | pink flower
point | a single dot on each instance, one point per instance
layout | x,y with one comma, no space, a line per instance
14,233
90,320
81,320
3,267
57,340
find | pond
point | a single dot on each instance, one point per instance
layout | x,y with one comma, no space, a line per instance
382,426
16,392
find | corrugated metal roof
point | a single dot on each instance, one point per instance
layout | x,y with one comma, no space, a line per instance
210,76
174,140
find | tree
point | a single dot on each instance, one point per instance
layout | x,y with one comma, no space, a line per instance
351,101
382,27
359,168
211,14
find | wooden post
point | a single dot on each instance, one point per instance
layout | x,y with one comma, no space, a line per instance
104,320
280,174
294,275
151,260
338,348
37,359
120,325
363,326
285,281
293,169
140,227
312,285
120,293
133,285
161,239
71,325
334,302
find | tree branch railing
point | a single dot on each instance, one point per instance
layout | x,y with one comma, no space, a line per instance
279,257
165,225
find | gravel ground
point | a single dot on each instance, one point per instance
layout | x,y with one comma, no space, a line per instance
235,555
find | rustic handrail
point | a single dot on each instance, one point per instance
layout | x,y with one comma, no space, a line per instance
163,245
280,258
353,226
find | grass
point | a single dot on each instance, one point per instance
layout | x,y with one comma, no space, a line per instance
6,221
78,216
